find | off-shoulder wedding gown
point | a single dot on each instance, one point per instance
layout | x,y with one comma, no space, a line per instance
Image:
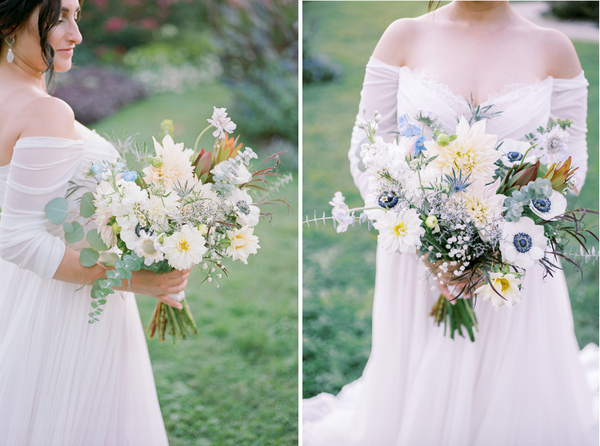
520,382
64,382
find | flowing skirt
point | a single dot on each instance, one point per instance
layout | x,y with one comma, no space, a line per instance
65,382
519,383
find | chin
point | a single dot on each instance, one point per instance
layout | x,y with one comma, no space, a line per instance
62,66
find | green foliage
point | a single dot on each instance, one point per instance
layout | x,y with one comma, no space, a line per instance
95,241
574,10
88,257
75,233
87,207
57,210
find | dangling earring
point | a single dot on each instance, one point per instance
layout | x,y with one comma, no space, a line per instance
10,56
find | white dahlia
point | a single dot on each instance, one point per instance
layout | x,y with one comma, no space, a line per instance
481,202
176,166
472,152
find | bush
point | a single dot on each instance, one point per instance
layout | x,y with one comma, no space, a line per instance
258,43
566,10
94,93
316,68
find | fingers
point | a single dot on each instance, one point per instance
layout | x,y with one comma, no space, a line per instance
168,301
177,287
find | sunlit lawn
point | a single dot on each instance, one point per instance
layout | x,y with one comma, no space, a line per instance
236,383
339,269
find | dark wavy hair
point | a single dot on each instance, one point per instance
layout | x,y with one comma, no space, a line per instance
14,13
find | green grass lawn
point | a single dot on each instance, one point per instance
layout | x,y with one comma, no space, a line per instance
236,383
339,269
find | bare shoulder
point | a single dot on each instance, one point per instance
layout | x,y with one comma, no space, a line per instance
395,43
560,55
47,116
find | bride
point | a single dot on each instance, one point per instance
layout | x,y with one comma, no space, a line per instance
520,383
62,381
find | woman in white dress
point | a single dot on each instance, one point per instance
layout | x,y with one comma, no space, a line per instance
62,381
520,382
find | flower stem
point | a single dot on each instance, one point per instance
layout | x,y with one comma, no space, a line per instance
198,139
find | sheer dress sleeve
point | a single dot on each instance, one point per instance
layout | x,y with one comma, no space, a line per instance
569,101
379,93
39,172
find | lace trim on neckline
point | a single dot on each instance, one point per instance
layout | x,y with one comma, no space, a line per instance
502,99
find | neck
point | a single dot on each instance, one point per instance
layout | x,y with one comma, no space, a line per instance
480,13
21,70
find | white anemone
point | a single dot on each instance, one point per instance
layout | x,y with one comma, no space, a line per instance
523,243
513,152
149,248
549,208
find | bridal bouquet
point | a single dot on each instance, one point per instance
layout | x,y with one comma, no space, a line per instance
479,211
171,207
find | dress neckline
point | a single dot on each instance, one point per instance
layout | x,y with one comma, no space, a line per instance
505,90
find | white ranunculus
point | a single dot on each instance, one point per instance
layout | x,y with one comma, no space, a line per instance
159,208
523,243
176,166
505,284
242,243
481,202
185,248
549,208
513,151
400,231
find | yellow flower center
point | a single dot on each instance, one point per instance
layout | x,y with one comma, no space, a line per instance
503,283
183,245
463,160
476,209
400,229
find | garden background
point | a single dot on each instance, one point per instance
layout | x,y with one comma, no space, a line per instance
142,61
339,269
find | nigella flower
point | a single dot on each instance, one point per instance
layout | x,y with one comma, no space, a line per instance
549,208
523,243
419,145
513,152
507,285
223,123
459,184
552,146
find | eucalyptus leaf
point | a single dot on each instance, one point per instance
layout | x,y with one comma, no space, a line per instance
57,211
87,207
95,240
88,257
94,304
76,235
68,227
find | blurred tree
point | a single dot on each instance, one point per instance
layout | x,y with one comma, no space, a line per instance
574,10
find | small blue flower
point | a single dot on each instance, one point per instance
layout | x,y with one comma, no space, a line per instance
419,145
388,200
119,167
522,242
457,184
98,168
130,175
410,130
402,122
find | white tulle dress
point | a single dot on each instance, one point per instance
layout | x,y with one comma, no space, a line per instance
64,382
521,382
